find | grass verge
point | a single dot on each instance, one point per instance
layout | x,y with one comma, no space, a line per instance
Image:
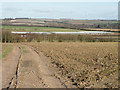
7,50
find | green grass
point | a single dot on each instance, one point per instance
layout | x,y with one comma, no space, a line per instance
6,51
38,29
24,50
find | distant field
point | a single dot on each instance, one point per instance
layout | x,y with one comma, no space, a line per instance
37,29
66,20
99,29
94,21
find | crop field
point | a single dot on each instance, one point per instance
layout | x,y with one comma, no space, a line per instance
37,29
86,64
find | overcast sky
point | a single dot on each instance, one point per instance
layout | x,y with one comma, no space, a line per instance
57,10
59,0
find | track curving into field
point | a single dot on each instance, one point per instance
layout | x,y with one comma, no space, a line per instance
25,68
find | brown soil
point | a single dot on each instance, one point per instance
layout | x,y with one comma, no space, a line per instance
84,65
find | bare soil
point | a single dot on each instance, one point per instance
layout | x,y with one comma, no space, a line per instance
84,65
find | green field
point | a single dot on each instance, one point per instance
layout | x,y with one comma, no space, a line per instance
37,29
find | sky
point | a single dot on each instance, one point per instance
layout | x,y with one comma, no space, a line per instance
61,10
59,0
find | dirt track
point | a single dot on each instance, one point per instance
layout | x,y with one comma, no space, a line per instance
25,68
9,66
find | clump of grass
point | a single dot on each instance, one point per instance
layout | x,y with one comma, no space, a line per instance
6,51
24,50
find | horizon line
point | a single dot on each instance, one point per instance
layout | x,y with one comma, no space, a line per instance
54,18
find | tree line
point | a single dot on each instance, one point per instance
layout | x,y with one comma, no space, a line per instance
8,37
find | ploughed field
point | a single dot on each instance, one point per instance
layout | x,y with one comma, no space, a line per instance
84,64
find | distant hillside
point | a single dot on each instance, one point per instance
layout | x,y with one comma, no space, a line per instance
62,23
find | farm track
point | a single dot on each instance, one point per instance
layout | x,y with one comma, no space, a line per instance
27,69
9,67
